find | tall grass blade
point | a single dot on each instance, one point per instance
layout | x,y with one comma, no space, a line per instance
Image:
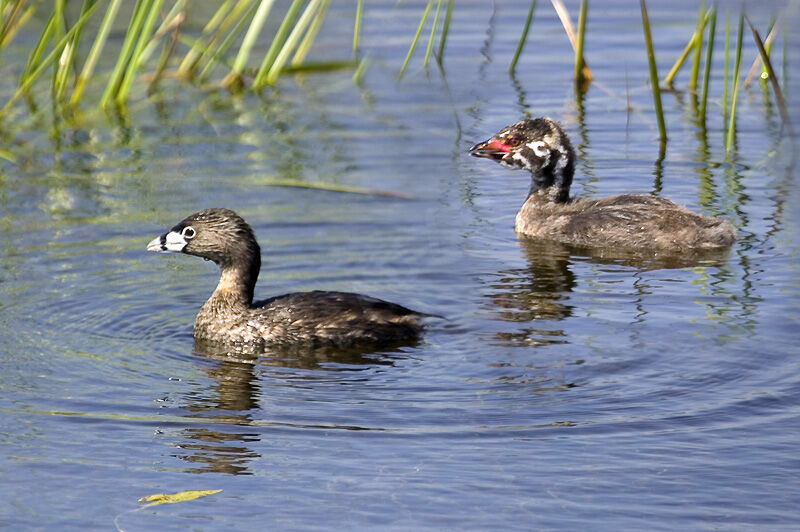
67,60
651,60
234,78
736,68
292,41
311,34
15,20
445,30
569,29
96,50
243,11
579,79
785,59
712,29
35,57
757,62
698,47
33,76
433,33
726,67
144,35
172,24
357,27
58,33
174,18
415,40
137,19
277,44
194,53
522,38
358,75
226,42
693,40
771,74
768,45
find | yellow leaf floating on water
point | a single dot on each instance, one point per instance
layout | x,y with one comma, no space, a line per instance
170,498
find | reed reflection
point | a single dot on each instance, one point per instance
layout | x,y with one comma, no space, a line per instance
230,415
539,294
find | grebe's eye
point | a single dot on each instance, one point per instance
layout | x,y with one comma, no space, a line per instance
188,232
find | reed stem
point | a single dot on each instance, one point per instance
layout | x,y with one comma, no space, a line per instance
33,76
137,19
651,60
144,35
524,37
433,33
579,77
234,77
712,28
96,50
736,67
357,27
685,53
445,30
415,40
290,44
771,76
277,42
698,47
726,67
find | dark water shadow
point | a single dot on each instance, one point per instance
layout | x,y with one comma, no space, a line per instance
229,414
304,357
539,294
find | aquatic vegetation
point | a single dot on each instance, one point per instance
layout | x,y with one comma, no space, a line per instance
155,24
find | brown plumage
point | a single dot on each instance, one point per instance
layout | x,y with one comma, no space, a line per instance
633,221
315,318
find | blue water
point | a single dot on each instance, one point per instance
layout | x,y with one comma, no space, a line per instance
561,392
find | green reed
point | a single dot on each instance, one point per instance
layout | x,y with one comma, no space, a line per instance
736,69
698,46
357,27
270,76
234,78
712,29
445,29
651,60
415,40
30,78
513,66
762,50
213,54
726,66
695,41
432,34
579,62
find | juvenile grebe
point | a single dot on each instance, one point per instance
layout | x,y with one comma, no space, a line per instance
316,318
637,221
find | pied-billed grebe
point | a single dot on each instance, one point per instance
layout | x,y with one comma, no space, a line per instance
637,221
316,318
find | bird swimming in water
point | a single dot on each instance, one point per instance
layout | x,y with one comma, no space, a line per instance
316,318
633,221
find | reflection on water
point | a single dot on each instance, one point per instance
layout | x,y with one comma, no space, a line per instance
304,357
540,293
237,393
568,386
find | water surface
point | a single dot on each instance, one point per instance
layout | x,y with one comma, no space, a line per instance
562,391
